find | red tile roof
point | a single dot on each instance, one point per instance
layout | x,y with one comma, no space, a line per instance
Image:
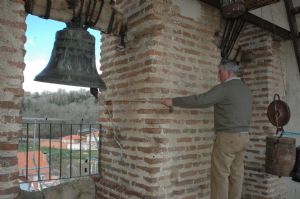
74,137
33,158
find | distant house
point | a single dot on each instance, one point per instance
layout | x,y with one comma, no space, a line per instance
73,142
71,139
94,137
35,160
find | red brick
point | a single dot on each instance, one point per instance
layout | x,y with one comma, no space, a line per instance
9,105
8,49
161,140
158,121
20,65
156,160
11,134
9,177
151,149
150,170
178,148
8,146
137,139
12,24
11,190
151,189
185,139
12,119
151,130
121,62
8,161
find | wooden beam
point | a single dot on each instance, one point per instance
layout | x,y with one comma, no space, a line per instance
294,29
253,19
250,4
264,24
296,10
109,21
214,3
254,4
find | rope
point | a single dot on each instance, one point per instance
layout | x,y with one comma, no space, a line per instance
231,33
286,133
283,73
99,13
77,18
90,11
87,13
112,19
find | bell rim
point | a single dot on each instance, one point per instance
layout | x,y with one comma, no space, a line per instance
98,83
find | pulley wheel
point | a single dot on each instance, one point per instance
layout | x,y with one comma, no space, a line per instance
278,112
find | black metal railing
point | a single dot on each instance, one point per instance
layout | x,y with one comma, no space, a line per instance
56,150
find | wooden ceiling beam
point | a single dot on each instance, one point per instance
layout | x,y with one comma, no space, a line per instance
294,29
250,4
253,19
254,4
102,15
214,3
264,24
296,10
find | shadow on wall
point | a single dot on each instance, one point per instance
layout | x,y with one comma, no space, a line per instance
83,188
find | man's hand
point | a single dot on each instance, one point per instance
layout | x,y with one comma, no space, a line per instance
167,102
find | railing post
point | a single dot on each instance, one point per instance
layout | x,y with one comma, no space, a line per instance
90,149
99,149
60,151
39,157
27,147
80,129
71,148
50,136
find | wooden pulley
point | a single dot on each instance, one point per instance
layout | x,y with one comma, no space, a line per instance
278,113
233,8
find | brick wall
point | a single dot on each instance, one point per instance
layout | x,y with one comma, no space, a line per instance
12,39
163,155
167,155
148,152
263,73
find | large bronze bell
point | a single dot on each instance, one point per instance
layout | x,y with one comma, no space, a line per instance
72,60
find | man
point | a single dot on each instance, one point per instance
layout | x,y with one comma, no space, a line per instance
232,101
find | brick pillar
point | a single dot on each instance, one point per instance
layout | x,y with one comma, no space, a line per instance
264,75
12,39
162,154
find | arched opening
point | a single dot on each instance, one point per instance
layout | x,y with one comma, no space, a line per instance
60,132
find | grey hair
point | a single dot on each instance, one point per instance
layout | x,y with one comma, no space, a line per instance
229,65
